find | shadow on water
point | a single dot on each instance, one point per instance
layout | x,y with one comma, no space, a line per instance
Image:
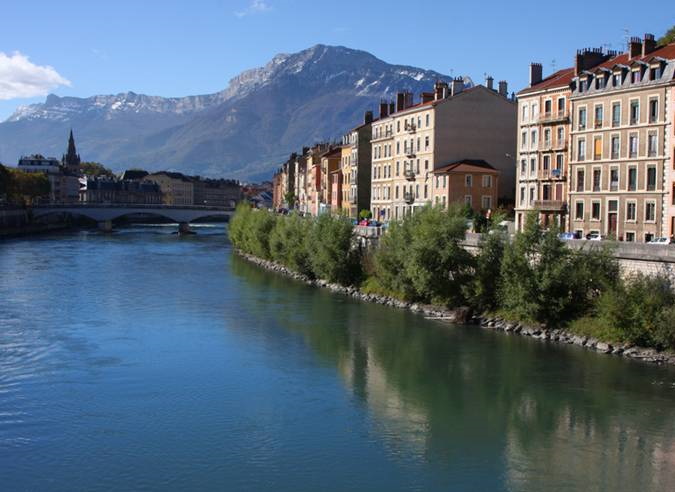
551,414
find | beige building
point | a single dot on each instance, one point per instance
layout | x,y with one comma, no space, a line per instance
448,125
355,167
543,158
177,189
622,144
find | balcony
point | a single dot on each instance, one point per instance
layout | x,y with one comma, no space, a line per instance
409,174
550,205
553,117
410,128
409,197
551,174
410,154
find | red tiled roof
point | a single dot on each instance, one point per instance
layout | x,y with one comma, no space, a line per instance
561,78
466,164
667,52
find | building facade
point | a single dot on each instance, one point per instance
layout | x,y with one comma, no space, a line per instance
622,144
177,189
356,168
474,183
542,160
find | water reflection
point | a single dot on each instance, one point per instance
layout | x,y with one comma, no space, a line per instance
541,416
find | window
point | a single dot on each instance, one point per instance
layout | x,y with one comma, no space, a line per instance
533,139
561,106
427,121
426,187
533,166
522,195
634,112
559,161
579,210
396,192
581,149
635,76
616,79
547,138
614,179
426,143
651,178
632,178
487,181
650,211
426,164
560,136
616,114
615,146
581,178
467,200
630,237
653,110
523,139
631,211
597,148
523,166
547,107
655,73
398,168
597,177
398,126
598,116
486,202
525,112
582,118
632,145
468,180
651,144
398,148
546,163
595,210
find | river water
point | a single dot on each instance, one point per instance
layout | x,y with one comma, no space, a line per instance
146,361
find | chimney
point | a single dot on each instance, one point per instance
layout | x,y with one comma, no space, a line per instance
440,90
489,82
384,109
456,86
392,107
427,97
634,47
648,44
588,58
368,117
400,101
503,88
408,99
536,73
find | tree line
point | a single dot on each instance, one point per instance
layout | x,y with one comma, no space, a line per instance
22,188
532,278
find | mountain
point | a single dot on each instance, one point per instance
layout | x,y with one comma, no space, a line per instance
242,132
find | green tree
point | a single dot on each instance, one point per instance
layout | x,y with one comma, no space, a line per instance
365,214
26,188
5,177
332,253
289,198
95,169
668,37
288,243
482,289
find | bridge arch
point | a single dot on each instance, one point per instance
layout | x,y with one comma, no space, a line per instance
100,213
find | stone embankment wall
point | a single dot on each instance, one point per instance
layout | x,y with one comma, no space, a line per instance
463,315
650,259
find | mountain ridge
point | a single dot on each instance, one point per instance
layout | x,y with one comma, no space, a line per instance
241,131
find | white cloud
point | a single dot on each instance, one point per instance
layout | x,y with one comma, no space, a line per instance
255,7
19,77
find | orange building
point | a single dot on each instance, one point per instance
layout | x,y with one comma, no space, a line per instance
473,182
336,192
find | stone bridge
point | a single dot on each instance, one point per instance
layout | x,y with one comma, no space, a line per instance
104,214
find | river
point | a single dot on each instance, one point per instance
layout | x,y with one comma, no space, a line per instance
146,361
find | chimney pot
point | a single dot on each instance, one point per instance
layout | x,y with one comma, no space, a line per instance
368,117
489,82
384,109
503,88
536,73
648,44
456,86
634,47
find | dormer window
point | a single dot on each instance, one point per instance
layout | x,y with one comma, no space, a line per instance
655,73
635,76
583,85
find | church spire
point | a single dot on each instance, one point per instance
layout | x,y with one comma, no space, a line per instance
71,159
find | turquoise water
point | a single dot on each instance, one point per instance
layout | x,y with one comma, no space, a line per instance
146,361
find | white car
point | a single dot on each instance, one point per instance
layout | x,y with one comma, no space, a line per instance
661,240
594,236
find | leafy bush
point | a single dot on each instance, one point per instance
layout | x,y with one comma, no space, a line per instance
543,280
250,229
288,243
332,254
422,257
482,289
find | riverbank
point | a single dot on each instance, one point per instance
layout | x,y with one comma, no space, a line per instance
464,315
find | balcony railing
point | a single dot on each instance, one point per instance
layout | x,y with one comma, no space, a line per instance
410,128
409,197
551,174
410,154
553,117
409,174
550,205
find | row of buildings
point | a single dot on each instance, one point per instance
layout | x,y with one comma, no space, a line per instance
595,143
590,148
430,149
68,184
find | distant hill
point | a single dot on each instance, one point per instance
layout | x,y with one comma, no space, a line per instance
242,132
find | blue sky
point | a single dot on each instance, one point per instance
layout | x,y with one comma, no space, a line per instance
175,48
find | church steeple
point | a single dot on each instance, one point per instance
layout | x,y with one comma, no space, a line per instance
71,159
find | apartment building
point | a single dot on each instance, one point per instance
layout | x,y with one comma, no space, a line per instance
177,189
543,155
450,124
355,167
622,142
330,163
472,182
382,143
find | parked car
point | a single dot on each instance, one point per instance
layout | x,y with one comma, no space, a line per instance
594,236
568,236
661,240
